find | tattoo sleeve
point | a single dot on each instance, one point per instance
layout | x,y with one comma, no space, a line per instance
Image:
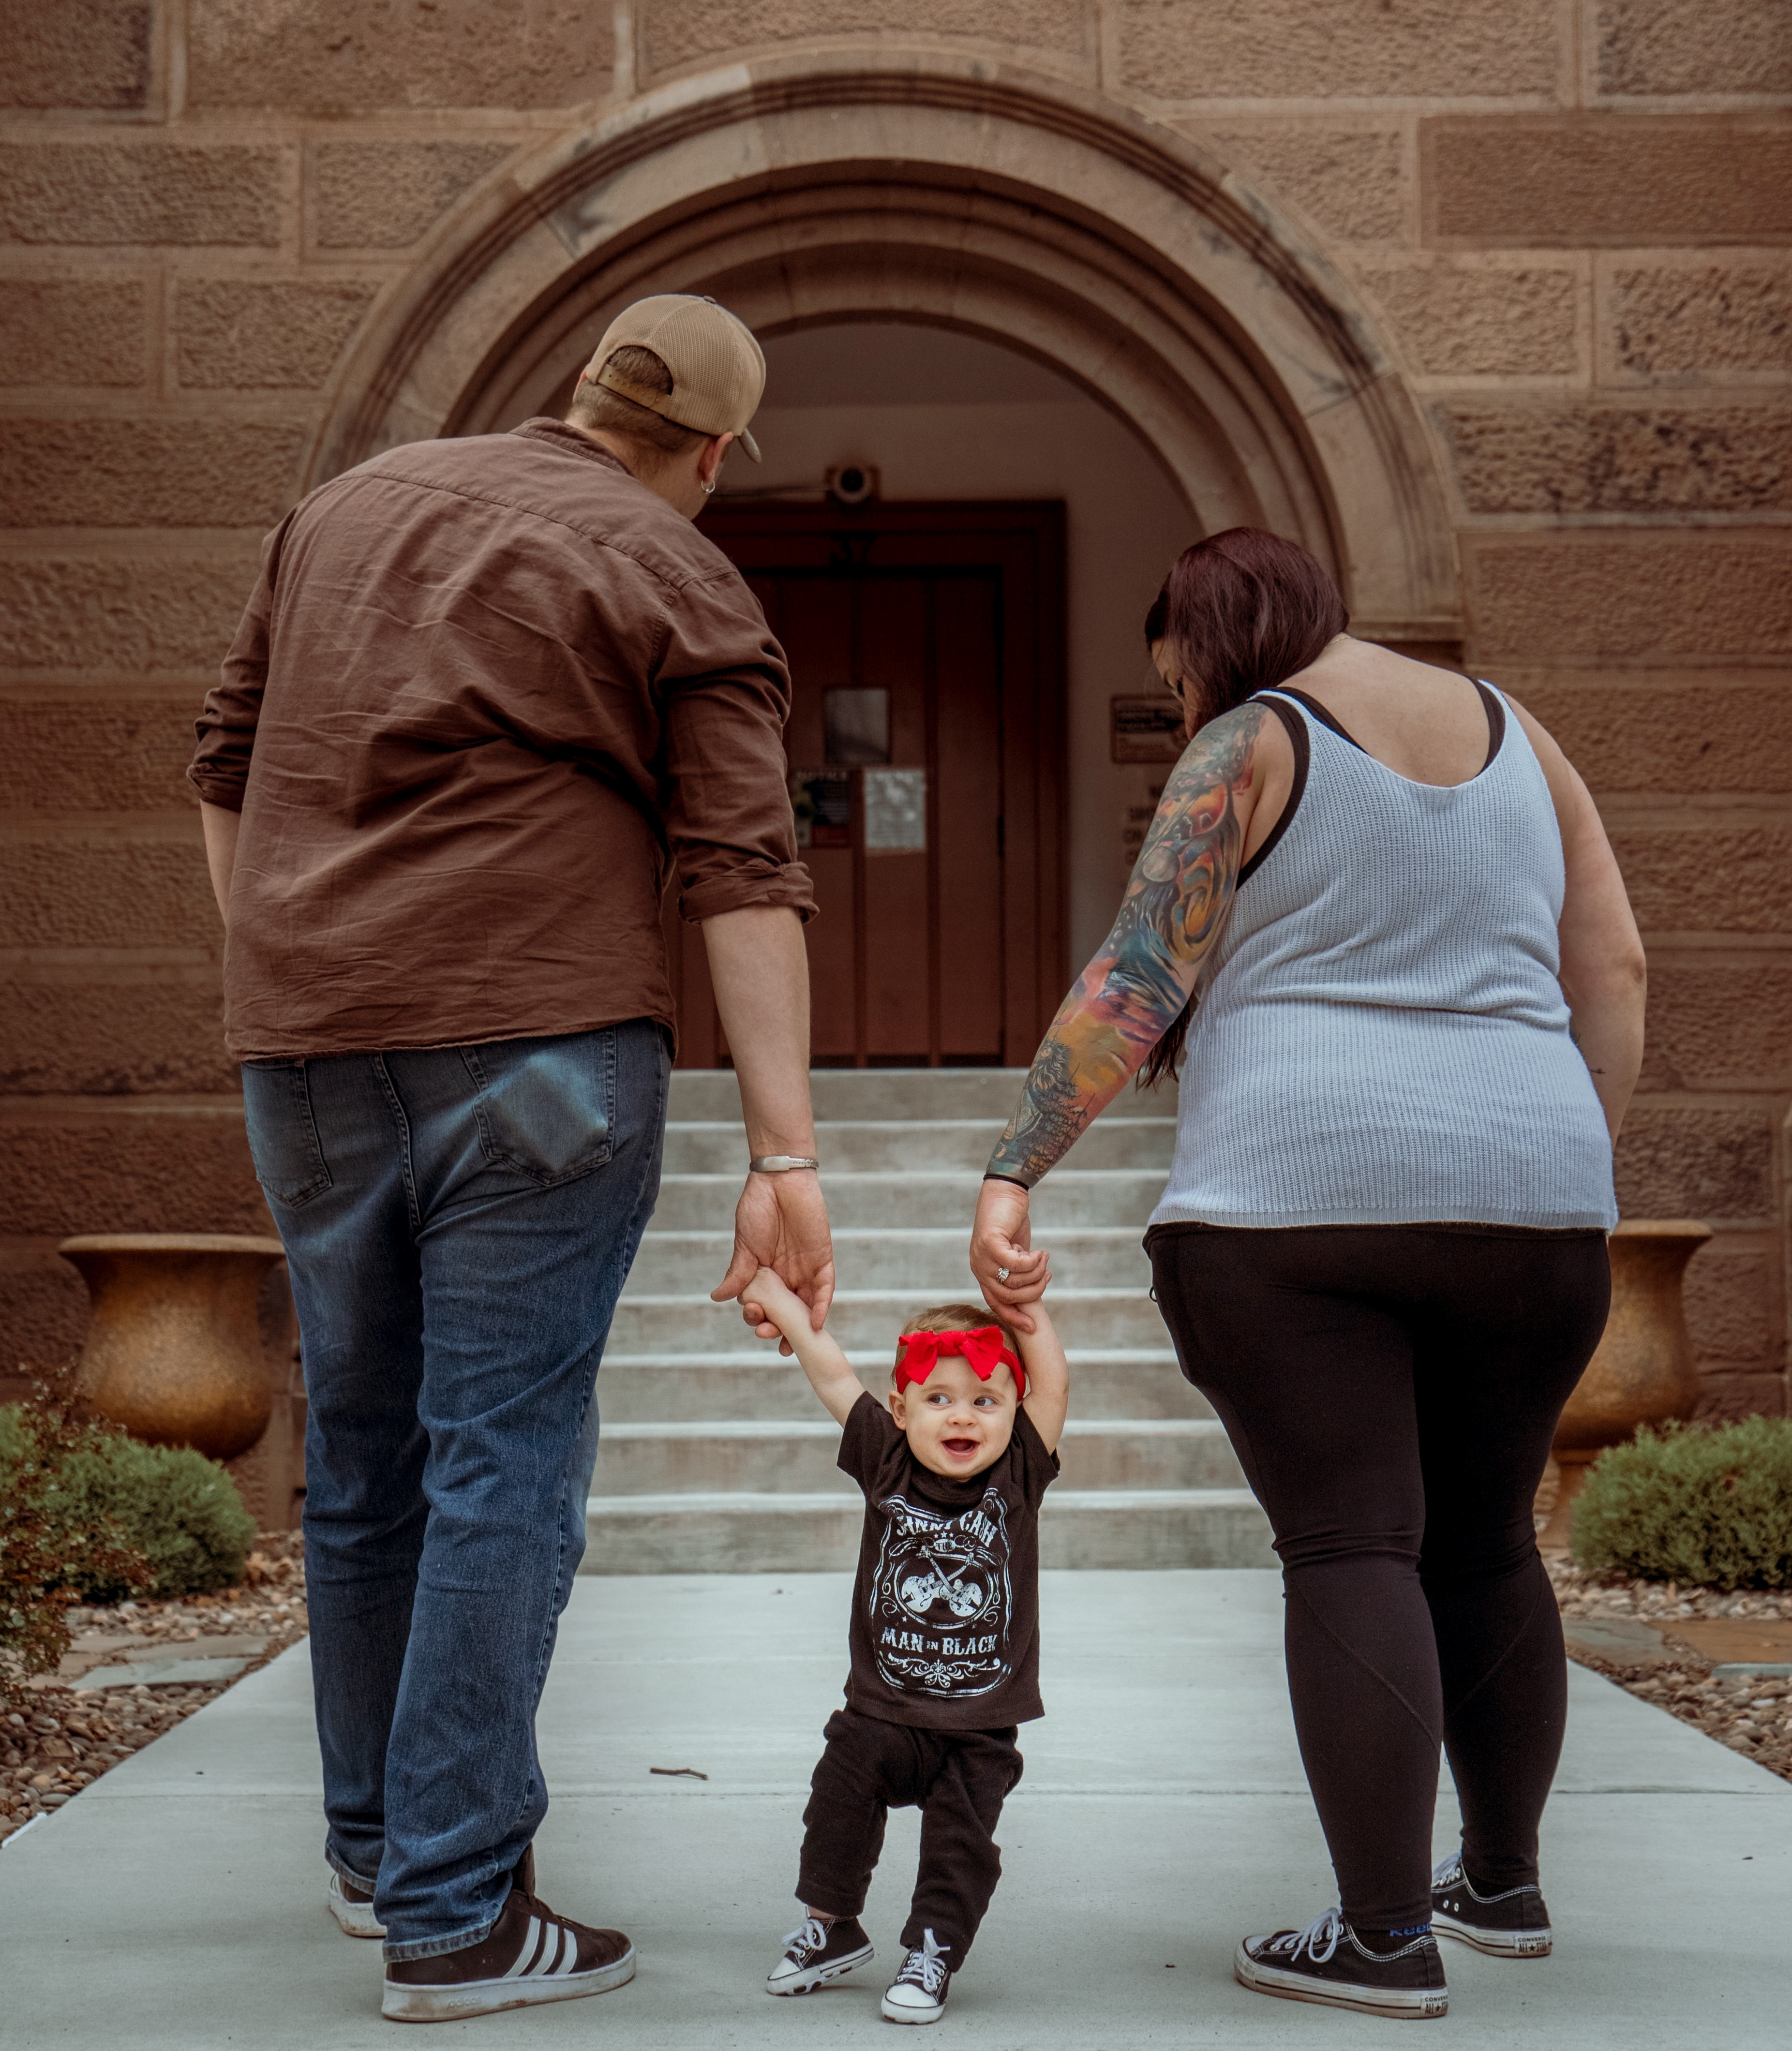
1141,976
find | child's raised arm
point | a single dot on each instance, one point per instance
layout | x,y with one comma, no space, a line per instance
1048,1377
830,1372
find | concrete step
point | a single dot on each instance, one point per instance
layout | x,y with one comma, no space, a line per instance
783,1457
638,1388
731,1533
1067,1198
928,1260
988,1094
934,1144
866,1322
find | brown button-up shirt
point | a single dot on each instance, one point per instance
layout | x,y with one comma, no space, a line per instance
486,691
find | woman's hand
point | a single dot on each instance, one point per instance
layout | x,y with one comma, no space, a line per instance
1008,1271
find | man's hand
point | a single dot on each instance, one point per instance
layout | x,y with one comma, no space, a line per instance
782,1223
1002,1238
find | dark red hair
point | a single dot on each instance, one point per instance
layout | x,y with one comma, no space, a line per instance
1240,612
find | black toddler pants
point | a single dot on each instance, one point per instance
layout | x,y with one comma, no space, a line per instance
1391,1392
959,1780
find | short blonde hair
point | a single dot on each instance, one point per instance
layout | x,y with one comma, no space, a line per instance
956,1318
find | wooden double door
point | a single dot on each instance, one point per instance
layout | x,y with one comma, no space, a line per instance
926,752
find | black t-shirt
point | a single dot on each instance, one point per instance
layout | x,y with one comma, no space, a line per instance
946,1612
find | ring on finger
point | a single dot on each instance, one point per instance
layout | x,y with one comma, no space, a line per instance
1001,1274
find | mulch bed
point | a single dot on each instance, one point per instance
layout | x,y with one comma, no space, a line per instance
1752,1717
63,1741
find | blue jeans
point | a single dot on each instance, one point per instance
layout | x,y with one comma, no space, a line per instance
459,1222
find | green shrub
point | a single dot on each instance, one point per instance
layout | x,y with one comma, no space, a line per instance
1709,1507
178,1510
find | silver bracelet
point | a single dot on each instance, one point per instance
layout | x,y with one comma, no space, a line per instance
780,1164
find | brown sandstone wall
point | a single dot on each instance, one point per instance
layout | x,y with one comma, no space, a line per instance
1572,219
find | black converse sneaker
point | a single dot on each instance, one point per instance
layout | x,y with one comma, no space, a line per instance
919,1992
1513,1923
352,1906
528,1954
1328,1962
817,1951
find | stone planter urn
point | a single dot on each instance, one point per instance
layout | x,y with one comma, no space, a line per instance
174,1351
1642,1372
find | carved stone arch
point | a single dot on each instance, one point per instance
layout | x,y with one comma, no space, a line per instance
961,195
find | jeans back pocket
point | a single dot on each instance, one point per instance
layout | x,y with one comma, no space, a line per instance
546,1107
288,1157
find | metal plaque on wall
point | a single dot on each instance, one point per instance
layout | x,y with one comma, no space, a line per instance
1146,730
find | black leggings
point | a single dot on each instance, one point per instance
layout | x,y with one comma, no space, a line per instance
1391,1392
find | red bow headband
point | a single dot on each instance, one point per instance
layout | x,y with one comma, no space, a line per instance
918,1352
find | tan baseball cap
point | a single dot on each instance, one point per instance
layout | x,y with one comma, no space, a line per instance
719,369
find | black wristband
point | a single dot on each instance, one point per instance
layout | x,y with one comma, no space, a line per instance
991,1176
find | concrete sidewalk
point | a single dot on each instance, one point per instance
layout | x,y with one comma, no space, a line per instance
176,1906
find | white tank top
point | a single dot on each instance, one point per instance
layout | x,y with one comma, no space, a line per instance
1381,1037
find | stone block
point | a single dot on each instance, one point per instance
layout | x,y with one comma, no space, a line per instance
129,1171
85,750
682,32
1649,599
1719,1025
1724,1397
342,56
1590,180
238,334
118,1035
1725,734
1739,881
384,195
1710,1164
1710,456
1685,321
1706,46
1350,181
78,54
43,1316
1211,49
176,193
72,331
106,894
66,613
148,473
1453,321
1729,1301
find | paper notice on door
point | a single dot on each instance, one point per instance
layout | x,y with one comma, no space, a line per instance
895,811
1146,730
822,802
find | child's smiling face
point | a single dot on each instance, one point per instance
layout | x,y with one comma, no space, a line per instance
956,1424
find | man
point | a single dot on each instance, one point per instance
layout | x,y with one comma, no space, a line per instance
486,692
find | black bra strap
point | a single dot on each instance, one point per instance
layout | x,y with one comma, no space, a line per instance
1302,745
1496,720
1490,705
1324,717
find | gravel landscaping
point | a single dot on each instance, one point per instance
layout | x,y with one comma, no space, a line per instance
68,1737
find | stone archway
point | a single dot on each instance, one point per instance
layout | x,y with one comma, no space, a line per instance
963,194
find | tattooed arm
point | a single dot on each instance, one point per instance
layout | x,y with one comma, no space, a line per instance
1131,992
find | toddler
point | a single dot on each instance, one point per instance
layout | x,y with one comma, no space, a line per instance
944,1639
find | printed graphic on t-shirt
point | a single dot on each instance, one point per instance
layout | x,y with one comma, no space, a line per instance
941,1601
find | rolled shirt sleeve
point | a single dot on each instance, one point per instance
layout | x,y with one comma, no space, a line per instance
219,770
724,687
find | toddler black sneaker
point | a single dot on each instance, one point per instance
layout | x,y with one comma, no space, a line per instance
919,1992
816,1952
1326,1963
1513,1923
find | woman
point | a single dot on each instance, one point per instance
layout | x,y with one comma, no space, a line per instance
1377,925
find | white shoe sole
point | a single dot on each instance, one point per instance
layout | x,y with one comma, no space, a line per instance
354,1919
897,2012
1399,2004
1496,1944
402,2002
815,1976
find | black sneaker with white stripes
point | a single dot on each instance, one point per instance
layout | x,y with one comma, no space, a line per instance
919,1992
819,1950
528,1954
1327,1962
1513,1923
